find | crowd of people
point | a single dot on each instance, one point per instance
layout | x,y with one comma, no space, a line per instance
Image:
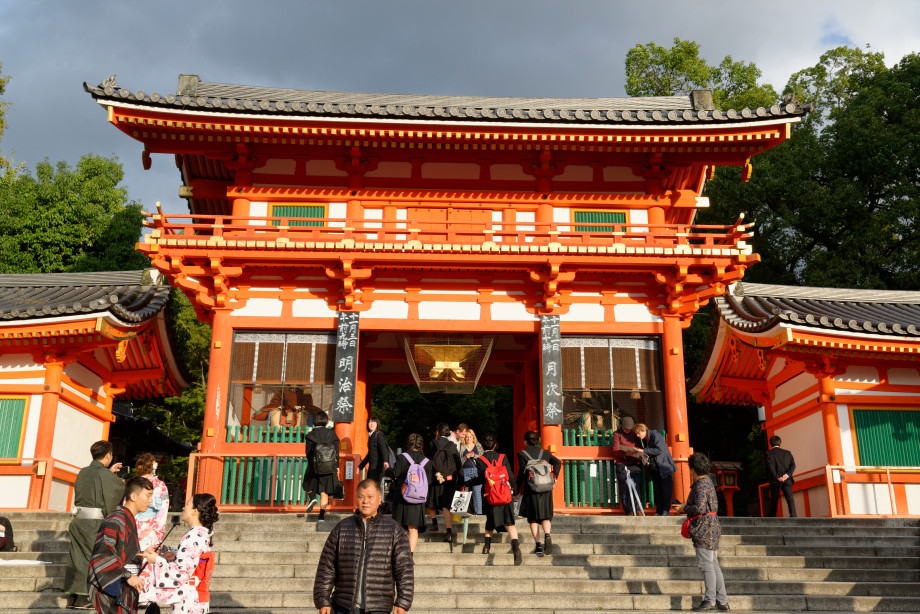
118,560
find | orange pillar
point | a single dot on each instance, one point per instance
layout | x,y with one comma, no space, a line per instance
54,369
210,470
831,421
243,178
675,395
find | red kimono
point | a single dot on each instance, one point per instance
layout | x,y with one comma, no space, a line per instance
116,546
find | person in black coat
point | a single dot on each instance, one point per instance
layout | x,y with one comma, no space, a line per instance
377,459
498,517
410,515
446,481
537,507
313,484
654,446
780,468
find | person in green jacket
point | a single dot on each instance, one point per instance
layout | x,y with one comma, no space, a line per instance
97,491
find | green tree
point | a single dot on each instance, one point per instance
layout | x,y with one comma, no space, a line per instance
68,219
3,108
653,70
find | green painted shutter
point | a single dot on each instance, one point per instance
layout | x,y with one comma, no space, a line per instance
12,411
888,438
599,217
299,211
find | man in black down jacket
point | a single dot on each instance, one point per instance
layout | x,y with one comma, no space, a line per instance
366,566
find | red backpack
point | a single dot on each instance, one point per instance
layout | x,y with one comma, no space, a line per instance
497,486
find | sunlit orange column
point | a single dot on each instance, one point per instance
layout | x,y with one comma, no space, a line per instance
831,420
51,396
210,470
675,395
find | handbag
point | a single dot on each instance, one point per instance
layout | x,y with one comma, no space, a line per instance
461,502
685,527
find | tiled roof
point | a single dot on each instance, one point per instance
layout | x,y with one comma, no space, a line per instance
130,296
759,307
225,98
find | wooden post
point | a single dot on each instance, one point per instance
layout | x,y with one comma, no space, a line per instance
210,470
675,395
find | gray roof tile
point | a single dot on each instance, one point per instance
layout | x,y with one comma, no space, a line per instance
245,99
131,296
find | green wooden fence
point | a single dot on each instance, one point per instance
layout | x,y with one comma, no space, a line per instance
267,434
263,480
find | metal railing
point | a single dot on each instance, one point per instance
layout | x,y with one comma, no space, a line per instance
41,472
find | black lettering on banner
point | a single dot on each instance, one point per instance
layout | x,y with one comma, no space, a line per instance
346,368
551,369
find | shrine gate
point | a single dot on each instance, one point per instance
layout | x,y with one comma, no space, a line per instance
337,240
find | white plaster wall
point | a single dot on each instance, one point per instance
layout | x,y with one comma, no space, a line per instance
511,312
84,377
14,490
17,362
805,439
270,307
913,499
846,435
584,312
448,310
337,211
258,209
904,377
525,221
792,387
637,216
35,411
859,374
562,217
74,433
310,308
634,313
61,496
869,499
818,503
392,310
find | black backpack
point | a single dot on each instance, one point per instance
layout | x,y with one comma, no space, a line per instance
6,536
325,458
443,461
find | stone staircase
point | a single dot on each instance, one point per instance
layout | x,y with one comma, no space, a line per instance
266,564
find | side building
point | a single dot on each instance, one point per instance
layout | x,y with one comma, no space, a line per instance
70,345
837,373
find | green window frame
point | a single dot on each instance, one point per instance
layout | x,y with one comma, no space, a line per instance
599,221
887,438
12,418
299,211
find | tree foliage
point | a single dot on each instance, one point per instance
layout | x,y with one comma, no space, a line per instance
653,70
68,219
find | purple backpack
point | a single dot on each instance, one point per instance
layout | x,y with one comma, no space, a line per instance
415,486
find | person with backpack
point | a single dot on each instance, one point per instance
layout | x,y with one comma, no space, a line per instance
412,475
495,471
321,477
181,577
377,459
537,471
448,478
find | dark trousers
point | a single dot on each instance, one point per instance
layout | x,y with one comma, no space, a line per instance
625,497
664,490
786,488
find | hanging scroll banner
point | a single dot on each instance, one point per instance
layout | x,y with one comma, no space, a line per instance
346,368
551,369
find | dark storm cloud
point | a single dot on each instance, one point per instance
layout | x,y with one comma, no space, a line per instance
476,47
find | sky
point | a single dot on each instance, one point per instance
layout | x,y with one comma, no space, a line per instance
529,48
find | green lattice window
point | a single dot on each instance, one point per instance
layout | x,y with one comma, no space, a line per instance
888,438
600,221
299,211
12,414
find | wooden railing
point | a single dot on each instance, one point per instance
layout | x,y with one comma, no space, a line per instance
41,472
453,232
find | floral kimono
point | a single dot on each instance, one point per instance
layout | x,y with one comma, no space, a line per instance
173,582
151,524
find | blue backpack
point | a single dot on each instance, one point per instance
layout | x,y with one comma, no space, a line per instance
415,486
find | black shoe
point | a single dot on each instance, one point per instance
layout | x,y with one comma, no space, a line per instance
705,605
310,505
449,535
518,556
486,549
538,550
723,606
547,545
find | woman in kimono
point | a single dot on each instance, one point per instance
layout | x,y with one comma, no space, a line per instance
174,580
151,523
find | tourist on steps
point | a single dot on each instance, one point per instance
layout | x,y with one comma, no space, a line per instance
410,515
321,476
448,477
701,509
537,507
498,504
